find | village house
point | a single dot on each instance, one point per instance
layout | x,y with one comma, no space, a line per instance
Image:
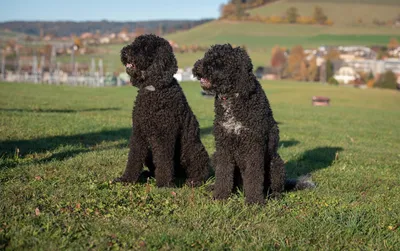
86,35
346,75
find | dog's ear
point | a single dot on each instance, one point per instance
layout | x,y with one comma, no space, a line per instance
246,81
123,55
164,64
244,59
198,69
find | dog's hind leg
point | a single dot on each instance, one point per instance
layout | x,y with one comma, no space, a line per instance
277,172
136,157
194,155
198,166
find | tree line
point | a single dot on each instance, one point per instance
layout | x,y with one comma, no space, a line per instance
61,28
236,10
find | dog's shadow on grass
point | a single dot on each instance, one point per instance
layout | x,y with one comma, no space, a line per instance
206,130
76,144
40,110
312,160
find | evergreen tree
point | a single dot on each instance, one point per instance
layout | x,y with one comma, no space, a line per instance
292,15
319,15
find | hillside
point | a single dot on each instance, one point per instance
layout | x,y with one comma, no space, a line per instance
384,2
260,38
343,13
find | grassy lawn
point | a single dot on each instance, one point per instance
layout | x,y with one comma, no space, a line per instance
55,192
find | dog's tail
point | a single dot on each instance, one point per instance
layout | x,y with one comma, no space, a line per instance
301,183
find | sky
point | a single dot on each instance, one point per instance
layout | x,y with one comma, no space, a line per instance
112,10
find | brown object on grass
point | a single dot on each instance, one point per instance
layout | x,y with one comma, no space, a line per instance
320,101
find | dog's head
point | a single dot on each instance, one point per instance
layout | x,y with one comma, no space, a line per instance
149,59
225,70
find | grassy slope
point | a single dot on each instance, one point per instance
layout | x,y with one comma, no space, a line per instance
261,38
72,141
343,13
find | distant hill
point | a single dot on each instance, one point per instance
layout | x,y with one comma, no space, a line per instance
341,12
66,28
385,2
259,38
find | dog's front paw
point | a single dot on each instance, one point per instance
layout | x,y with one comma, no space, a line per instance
275,196
220,195
210,187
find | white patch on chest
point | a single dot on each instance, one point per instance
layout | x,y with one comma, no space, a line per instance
229,122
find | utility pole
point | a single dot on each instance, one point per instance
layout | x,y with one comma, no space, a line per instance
16,59
41,69
52,59
322,76
57,73
92,72
3,65
100,71
35,69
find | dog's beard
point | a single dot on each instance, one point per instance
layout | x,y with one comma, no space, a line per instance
137,76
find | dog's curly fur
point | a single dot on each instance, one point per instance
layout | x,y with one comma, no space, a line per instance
246,133
165,132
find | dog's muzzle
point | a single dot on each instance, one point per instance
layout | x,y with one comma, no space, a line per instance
205,84
130,66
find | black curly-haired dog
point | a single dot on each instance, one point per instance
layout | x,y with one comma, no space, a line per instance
165,132
246,133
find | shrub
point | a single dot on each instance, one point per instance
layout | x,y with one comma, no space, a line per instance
319,15
329,69
329,22
292,15
371,83
277,19
393,43
333,81
387,81
306,20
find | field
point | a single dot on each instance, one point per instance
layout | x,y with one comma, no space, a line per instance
55,191
260,38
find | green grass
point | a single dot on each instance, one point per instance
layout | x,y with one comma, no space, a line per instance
55,194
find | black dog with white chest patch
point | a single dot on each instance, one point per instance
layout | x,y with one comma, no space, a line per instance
246,133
